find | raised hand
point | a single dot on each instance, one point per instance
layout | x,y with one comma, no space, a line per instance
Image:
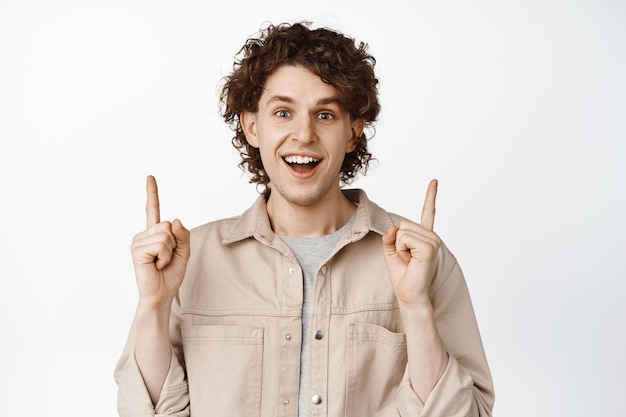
160,254
410,250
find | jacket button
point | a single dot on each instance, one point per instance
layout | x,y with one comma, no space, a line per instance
316,399
288,337
292,270
319,335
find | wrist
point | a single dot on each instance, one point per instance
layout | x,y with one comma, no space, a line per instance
146,308
419,310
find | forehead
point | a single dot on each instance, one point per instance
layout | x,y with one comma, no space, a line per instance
297,84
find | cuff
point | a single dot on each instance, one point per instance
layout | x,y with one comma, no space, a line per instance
134,400
451,397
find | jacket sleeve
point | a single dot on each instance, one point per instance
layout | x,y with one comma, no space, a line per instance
133,399
466,388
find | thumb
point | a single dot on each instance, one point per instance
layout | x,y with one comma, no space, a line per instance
182,239
389,241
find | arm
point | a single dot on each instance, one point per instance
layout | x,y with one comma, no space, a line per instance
160,255
447,372
427,356
410,252
153,348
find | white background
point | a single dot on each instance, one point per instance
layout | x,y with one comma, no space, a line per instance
517,107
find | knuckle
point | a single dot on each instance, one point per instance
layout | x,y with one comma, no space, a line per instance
133,246
404,224
164,226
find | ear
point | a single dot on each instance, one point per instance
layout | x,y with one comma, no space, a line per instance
357,127
248,124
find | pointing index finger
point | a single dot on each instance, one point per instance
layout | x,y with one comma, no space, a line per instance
428,211
153,211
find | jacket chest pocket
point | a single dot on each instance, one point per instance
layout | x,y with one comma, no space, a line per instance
377,360
224,369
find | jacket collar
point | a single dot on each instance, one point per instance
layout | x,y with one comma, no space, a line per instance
255,222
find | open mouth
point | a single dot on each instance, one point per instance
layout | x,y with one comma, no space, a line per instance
300,163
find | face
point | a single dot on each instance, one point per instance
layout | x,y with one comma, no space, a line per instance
302,133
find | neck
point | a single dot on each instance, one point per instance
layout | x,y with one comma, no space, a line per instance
319,219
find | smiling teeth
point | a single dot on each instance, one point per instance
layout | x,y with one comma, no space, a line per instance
296,159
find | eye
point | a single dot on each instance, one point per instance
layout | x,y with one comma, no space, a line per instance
282,113
325,116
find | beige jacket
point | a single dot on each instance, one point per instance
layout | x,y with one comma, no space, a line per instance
236,331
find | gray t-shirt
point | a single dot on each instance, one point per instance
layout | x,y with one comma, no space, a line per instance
310,252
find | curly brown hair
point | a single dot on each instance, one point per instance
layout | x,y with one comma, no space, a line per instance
336,58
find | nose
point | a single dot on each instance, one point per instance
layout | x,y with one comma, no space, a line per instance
304,131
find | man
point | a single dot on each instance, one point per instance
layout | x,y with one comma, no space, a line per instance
315,301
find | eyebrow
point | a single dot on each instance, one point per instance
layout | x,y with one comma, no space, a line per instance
285,99
290,100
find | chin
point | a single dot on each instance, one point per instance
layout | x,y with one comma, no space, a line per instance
302,197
